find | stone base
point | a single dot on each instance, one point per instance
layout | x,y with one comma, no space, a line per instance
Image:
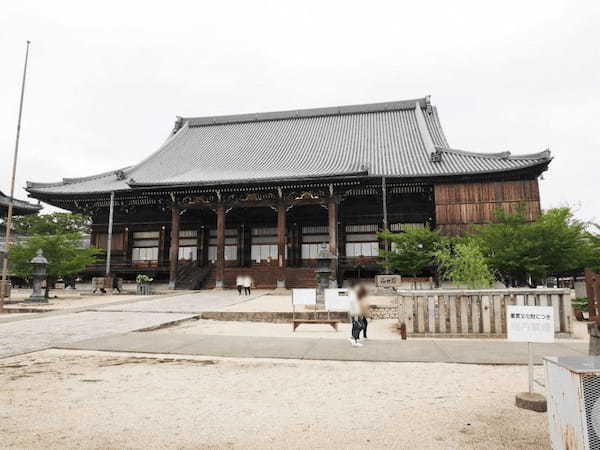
36,299
594,332
219,285
280,284
281,291
531,401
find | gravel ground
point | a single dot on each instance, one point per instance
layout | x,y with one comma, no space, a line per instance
59,399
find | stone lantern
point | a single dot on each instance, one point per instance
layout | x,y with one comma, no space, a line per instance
38,276
323,270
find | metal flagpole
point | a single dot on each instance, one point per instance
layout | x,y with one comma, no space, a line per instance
12,188
110,230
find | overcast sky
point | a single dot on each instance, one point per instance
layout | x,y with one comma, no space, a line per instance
106,79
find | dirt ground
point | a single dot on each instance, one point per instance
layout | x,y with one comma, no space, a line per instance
61,399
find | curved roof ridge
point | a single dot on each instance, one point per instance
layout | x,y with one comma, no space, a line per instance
497,155
423,130
179,129
305,113
17,203
544,154
34,185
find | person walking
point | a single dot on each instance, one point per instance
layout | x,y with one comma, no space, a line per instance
247,285
239,283
115,284
363,307
356,321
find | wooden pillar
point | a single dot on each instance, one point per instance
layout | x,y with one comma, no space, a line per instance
281,245
205,242
242,245
386,245
332,213
220,246
174,249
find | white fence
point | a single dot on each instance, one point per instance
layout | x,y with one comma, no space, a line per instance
476,312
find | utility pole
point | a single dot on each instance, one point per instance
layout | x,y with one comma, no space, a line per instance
12,189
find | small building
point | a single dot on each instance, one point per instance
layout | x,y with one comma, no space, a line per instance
20,208
262,193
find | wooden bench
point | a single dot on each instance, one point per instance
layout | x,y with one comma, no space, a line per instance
297,322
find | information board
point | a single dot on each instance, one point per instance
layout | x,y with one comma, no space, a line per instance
338,299
393,281
304,296
530,323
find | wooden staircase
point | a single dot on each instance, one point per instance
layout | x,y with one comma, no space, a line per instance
191,277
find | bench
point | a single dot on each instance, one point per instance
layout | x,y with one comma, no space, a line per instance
297,322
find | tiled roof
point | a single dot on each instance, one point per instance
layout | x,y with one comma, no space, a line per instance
20,207
395,139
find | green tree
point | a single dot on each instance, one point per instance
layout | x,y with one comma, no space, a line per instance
60,237
592,254
412,251
516,250
55,223
64,253
561,242
462,262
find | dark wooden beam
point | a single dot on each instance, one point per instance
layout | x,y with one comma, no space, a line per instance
220,246
174,249
332,208
281,233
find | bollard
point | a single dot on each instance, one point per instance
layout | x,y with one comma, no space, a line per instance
594,331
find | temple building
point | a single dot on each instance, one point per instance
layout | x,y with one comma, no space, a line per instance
263,194
20,208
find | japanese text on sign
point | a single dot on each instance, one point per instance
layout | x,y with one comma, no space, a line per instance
530,323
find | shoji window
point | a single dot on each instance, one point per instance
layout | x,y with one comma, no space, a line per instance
231,242
263,244
145,246
188,245
313,238
396,227
361,240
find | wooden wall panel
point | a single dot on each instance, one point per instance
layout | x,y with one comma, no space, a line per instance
459,205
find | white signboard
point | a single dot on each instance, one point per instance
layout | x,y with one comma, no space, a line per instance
304,296
530,323
338,299
388,281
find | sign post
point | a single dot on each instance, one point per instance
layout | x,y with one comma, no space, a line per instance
530,324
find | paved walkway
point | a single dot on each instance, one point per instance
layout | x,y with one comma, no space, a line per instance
413,350
111,327
31,332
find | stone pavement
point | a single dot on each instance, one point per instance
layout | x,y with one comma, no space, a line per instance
31,332
44,332
412,350
191,303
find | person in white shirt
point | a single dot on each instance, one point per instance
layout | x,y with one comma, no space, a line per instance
239,283
247,285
